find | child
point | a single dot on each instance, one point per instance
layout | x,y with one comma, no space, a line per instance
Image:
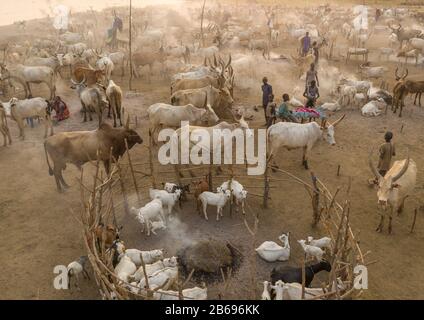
387,151
270,111
283,110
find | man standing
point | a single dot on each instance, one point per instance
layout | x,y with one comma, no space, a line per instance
305,44
266,92
387,151
311,94
312,75
315,50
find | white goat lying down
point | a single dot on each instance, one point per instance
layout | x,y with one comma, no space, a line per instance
293,291
125,268
271,252
148,256
165,277
311,251
168,199
153,267
238,192
214,199
152,211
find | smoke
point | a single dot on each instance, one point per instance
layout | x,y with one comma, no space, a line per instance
179,234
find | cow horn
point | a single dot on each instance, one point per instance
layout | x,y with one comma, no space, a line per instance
374,169
406,73
206,101
338,121
73,82
229,62
396,73
402,171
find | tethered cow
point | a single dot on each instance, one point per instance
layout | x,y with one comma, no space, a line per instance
394,187
78,147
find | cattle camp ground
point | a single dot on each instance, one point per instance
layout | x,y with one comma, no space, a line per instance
204,62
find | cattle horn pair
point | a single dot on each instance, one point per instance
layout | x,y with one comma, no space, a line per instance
402,77
80,83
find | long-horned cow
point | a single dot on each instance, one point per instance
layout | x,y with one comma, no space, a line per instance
78,147
394,188
296,135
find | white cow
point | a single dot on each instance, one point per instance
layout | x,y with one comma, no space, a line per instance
397,184
165,115
30,108
295,135
373,108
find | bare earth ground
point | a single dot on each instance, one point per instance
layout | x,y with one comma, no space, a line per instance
40,229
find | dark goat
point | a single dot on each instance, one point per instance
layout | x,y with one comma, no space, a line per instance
290,275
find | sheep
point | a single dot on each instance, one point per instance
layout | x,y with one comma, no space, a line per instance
271,252
75,268
148,256
125,268
172,187
215,199
152,211
290,275
152,268
167,199
279,290
195,293
311,251
322,243
165,277
265,294
238,192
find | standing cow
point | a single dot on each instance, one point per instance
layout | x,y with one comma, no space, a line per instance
397,184
296,135
78,147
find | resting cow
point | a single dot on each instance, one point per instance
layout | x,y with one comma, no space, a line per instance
79,147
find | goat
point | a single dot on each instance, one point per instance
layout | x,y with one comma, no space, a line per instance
311,251
75,268
152,268
215,199
167,199
237,190
290,274
152,211
148,256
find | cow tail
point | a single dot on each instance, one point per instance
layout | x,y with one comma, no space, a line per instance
47,159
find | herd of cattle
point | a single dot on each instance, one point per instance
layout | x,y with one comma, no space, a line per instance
202,70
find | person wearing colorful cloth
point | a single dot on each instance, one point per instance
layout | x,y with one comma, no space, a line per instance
311,94
305,43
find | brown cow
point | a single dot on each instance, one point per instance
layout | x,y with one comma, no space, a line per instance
91,76
79,147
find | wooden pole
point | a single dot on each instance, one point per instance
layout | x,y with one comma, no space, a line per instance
303,277
201,23
123,189
315,200
132,174
130,46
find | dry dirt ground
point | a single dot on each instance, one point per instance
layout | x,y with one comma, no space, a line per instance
40,228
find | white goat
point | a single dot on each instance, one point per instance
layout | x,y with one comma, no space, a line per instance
324,242
166,277
214,199
152,211
125,268
75,268
311,251
168,199
153,267
265,294
271,252
238,192
148,256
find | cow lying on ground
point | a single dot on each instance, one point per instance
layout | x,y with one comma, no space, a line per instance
79,147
